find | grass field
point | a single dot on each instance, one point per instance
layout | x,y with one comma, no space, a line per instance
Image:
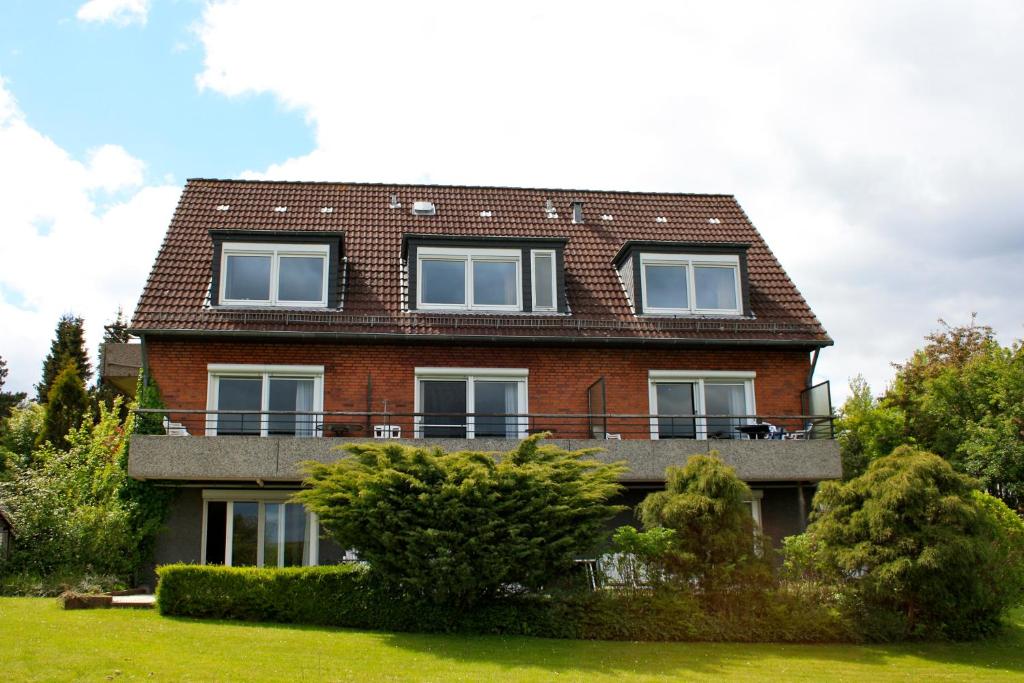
39,641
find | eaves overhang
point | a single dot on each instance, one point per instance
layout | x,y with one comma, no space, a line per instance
500,339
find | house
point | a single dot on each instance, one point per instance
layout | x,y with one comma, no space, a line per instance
283,319
6,533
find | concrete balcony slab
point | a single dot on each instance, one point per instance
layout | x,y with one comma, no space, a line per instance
250,458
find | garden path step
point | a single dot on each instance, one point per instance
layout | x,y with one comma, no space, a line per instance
135,601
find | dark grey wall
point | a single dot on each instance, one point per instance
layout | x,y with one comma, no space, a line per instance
182,538
780,511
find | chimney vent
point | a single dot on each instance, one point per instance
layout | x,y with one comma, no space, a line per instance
577,211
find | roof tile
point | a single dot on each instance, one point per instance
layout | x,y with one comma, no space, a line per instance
174,297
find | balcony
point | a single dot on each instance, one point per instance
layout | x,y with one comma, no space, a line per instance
232,445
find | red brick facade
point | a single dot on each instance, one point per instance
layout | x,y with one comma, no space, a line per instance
558,376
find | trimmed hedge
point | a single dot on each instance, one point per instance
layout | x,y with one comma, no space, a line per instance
345,596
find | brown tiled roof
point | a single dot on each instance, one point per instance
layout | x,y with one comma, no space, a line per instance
175,297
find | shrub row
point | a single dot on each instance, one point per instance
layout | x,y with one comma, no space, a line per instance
346,596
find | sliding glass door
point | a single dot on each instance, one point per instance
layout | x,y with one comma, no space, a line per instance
471,406
675,400
258,533
248,397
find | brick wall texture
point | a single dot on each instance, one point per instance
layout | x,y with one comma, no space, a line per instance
558,376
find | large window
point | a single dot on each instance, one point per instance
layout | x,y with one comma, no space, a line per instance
257,529
243,395
700,405
255,274
680,284
454,279
461,403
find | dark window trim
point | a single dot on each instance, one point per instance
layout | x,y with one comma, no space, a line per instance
632,250
412,242
334,240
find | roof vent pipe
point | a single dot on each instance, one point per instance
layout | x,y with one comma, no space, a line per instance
577,211
394,204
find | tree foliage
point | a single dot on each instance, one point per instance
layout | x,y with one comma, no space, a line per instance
458,528
67,406
961,396
71,508
68,345
918,548
866,429
8,400
713,544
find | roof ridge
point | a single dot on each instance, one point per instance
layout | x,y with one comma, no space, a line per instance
457,186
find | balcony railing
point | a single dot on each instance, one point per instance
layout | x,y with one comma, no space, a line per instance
382,425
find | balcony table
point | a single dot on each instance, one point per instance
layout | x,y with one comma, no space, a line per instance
761,430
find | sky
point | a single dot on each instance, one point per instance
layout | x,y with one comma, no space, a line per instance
877,146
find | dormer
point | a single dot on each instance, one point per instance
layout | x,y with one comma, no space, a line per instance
685,279
259,268
485,274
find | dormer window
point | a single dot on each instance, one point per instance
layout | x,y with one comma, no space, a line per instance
664,278
503,275
274,274
487,279
274,269
682,284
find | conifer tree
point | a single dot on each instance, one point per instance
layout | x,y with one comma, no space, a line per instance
68,345
66,406
7,399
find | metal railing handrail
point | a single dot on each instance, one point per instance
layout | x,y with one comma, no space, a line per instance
365,413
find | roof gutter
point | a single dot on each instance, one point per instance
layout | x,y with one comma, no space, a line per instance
506,340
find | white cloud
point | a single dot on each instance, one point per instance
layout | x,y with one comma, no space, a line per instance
72,255
112,168
117,12
877,148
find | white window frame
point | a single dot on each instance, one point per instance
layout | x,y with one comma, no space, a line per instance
690,262
755,507
276,252
471,376
231,496
700,379
468,257
214,371
552,254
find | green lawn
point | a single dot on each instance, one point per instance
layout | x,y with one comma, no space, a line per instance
39,641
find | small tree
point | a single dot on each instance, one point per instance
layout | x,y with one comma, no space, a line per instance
68,345
457,528
66,406
916,545
866,429
714,543
8,400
